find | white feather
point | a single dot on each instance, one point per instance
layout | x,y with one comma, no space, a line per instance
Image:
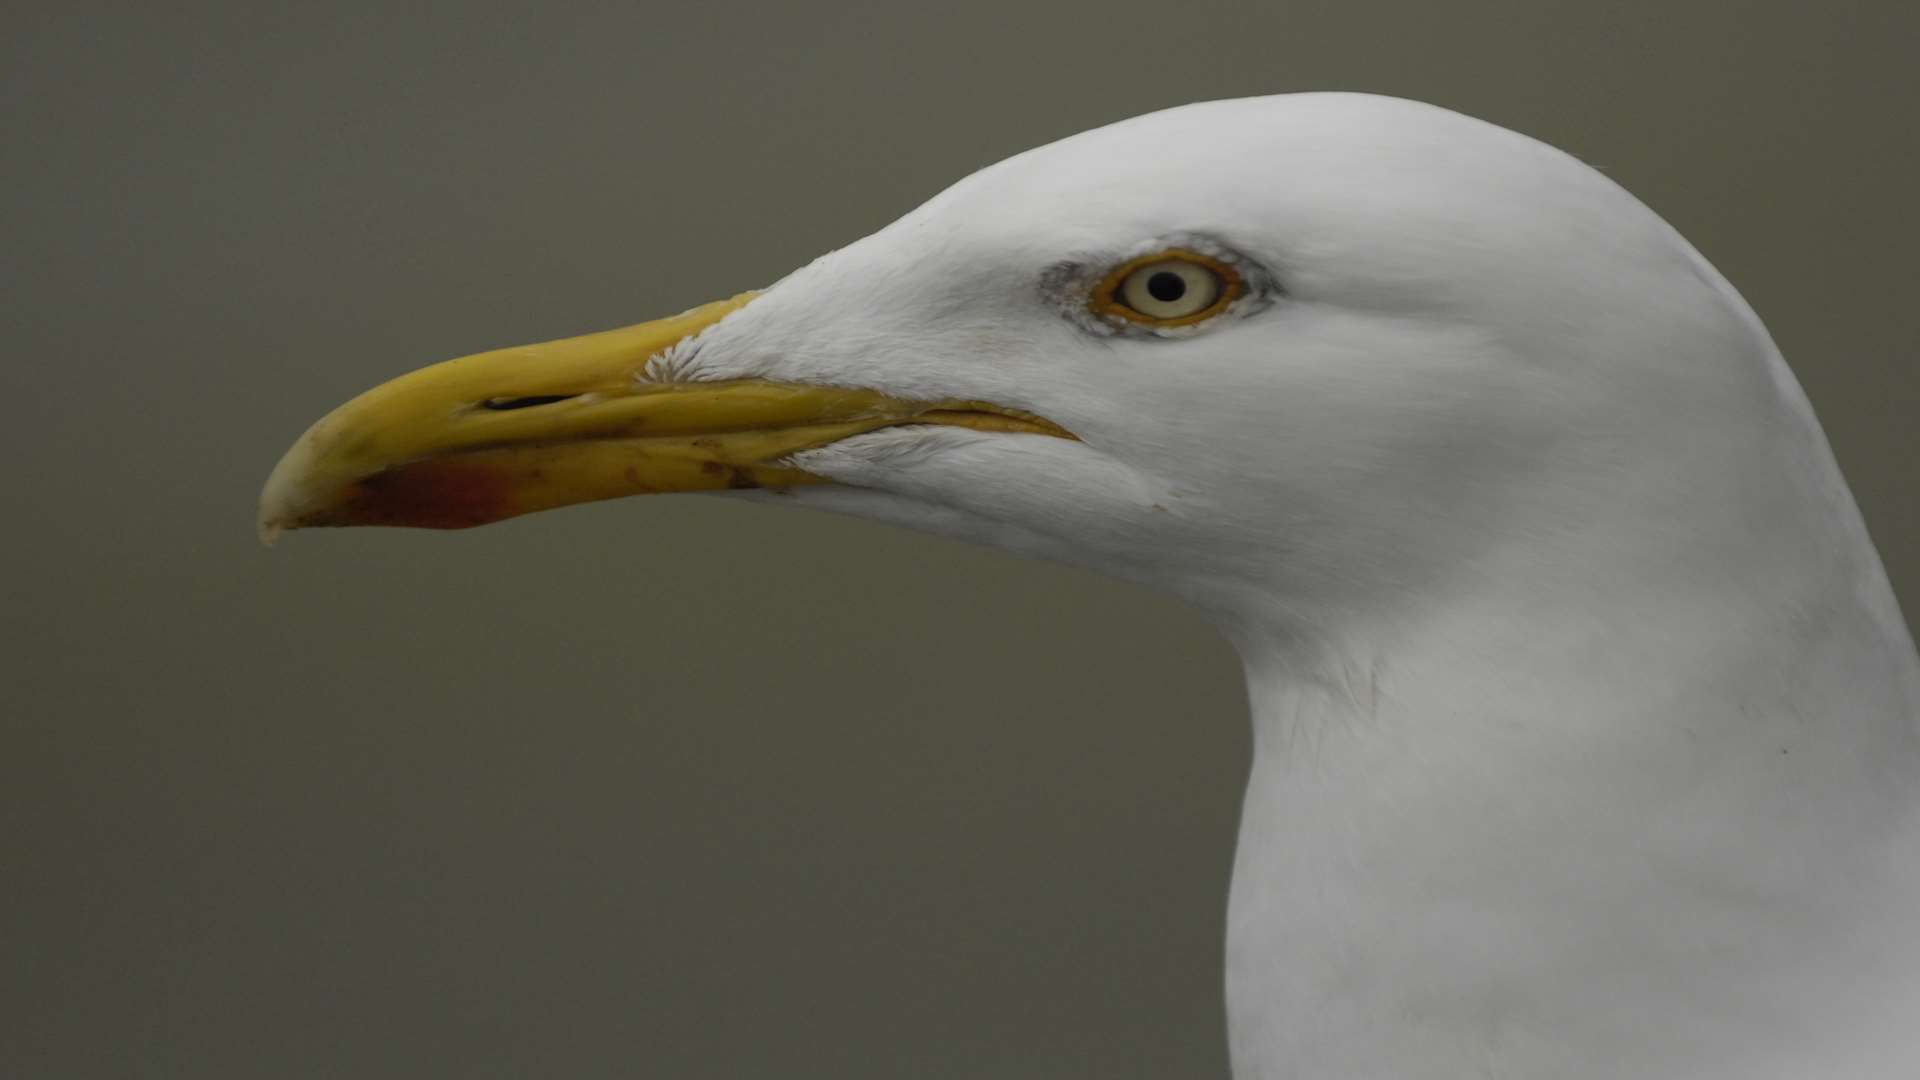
1585,718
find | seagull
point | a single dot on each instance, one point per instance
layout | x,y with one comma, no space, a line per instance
1585,739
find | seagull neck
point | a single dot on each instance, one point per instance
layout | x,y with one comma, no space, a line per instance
1542,828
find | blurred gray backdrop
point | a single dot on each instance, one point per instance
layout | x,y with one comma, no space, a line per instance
682,787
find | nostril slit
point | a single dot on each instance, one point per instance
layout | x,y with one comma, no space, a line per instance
501,404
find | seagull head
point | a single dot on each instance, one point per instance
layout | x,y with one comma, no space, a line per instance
1576,683
1319,347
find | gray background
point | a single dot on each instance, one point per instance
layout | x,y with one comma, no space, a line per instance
678,786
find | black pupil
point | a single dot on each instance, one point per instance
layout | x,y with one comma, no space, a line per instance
1166,286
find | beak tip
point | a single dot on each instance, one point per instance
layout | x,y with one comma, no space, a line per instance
283,495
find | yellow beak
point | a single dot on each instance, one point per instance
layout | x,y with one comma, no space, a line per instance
499,434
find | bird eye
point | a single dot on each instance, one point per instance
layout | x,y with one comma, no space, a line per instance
1169,288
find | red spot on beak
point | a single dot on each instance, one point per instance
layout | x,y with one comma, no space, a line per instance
445,494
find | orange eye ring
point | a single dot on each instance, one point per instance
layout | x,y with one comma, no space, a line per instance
1108,296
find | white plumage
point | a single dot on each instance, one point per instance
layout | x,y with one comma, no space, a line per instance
1585,720
1586,740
